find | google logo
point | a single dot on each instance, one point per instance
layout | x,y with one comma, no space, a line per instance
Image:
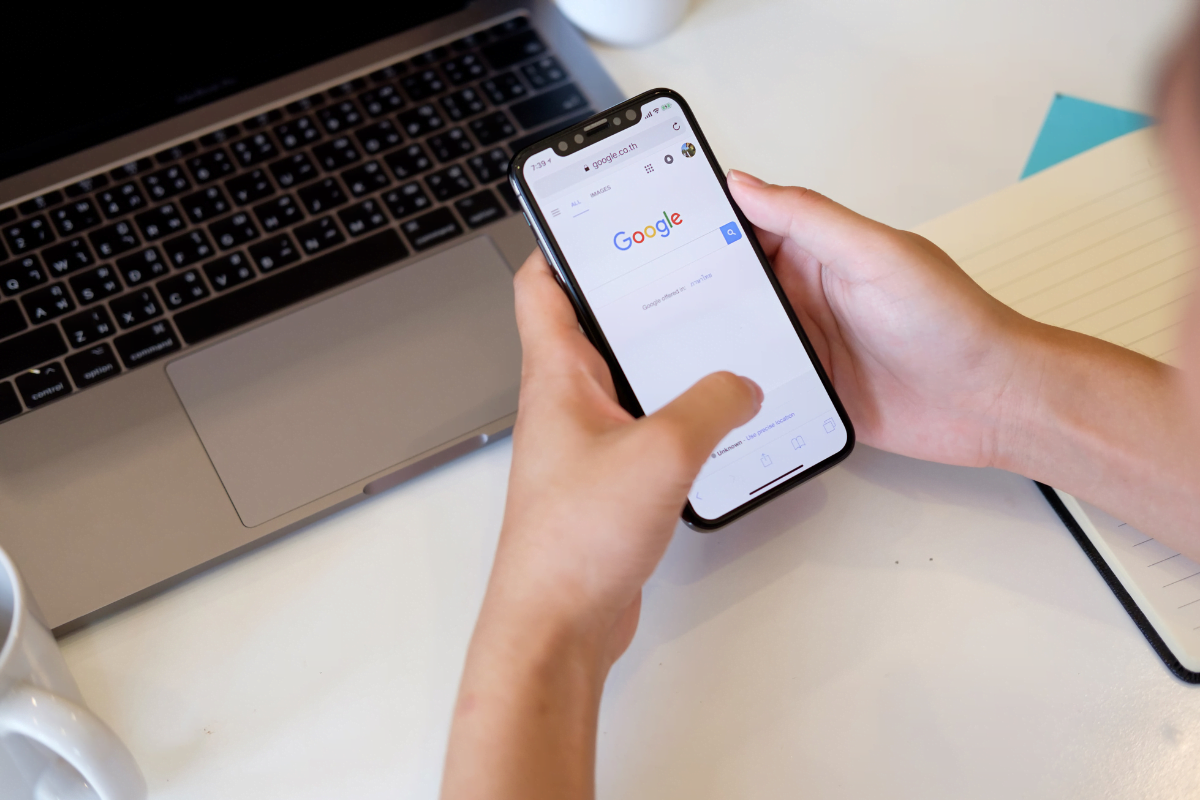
663,226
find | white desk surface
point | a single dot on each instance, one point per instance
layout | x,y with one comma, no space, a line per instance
893,628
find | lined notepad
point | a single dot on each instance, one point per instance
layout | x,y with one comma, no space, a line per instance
1098,244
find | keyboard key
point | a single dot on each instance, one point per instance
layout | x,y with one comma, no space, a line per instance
253,149
219,136
167,182
10,406
95,284
305,104
19,275
423,84
176,153
510,197
293,170
75,217
462,104
278,213
275,252
250,187
92,365
159,221
489,166
319,235
368,178
135,308
87,327
378,137
127,171
341,152
319,197
205,204
449,182
297,133
210,166
275,292
389,73
492,128
193,246
113,239
146,344
234,230
450,145
543,72
227,272
470,41
48,303
67,257
40,203
262,120
86,186
407,199
11,319
431,229
548,105
508,27
349,87
479,209
340,116
362,217
41,385
142,266
27,234
430,57
420,120
503,88
31,348
381,100
182,289
507,52
465,68
7,215
120,200
410,161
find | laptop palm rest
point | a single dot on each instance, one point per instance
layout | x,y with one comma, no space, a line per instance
312,402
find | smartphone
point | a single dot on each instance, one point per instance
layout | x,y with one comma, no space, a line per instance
670,283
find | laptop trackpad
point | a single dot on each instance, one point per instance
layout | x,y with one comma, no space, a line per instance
326,396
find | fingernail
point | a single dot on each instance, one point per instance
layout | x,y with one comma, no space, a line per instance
754,387
743,177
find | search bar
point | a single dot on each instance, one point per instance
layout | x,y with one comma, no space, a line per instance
633,145
682,256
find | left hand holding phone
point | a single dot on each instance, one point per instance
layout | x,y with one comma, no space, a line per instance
593,498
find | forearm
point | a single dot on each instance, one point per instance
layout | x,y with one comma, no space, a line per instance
525,722
1111,427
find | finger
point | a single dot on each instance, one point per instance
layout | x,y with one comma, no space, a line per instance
823,228
545,317
694,422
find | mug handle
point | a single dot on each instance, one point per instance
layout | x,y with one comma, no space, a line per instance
77,736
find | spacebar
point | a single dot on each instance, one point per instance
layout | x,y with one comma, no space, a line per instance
291,286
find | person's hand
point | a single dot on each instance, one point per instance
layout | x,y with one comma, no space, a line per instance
593,498
924,360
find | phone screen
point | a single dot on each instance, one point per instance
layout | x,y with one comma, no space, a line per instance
654,245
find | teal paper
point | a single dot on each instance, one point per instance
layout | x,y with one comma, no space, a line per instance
1073,126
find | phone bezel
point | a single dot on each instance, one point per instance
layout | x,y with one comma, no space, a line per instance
587,320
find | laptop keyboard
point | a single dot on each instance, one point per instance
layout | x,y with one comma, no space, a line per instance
128,266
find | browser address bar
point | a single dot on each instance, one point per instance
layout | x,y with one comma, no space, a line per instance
604,160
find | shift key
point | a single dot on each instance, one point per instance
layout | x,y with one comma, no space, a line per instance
146,343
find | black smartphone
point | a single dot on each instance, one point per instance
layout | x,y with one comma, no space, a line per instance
669,282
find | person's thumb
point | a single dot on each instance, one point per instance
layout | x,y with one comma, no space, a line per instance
694,422
826,230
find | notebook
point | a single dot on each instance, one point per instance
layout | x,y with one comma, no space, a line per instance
1098,244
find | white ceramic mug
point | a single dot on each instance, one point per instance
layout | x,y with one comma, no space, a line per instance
625,23
54,748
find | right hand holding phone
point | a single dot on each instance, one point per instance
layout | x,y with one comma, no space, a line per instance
927,363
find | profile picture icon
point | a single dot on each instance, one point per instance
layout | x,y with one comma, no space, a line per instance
688,149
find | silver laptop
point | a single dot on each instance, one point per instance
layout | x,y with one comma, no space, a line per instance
244,287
